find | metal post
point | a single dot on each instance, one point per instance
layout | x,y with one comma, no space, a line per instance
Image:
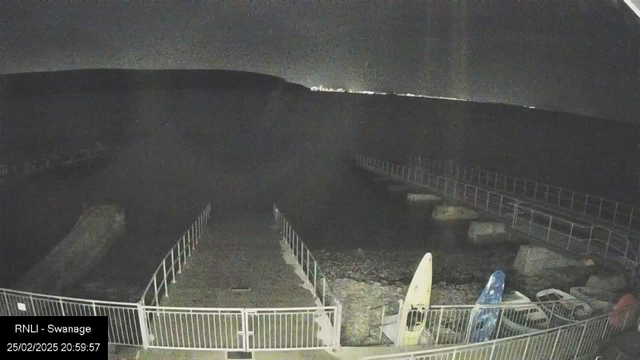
384,308
500,207
580,342
184,248
549,231
475,200
155,289
488,198
631,217
62,308
439,326
324,287
308,269
526,347
546,196
570,235
586,203
493,348
531,223
606,251
143,326
515,214
555,345
600,208
315,273
173,267
338,322
164,271
590,237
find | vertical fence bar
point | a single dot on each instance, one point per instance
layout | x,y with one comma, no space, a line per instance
581,339
549,230
142,323
615,212
164,271
600,208
631,217
173,266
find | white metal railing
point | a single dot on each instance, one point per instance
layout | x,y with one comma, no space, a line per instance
566,342
242,329
175,259
124,324
314,276
451,324
598,207
574,237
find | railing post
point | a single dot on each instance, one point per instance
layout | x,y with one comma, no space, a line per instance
439,325
531,222
586,203
526,347
155,290
315,276
143,325
615,212
173,267
600,208
62,308
549,230
590,237
546,195
500,206
164,271
324,291
570,235
631,217
475,200
606,251
338,326
580,342
308,269
493,348
555,345
184,247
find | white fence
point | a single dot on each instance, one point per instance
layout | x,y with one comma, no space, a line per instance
175,259
242,329
124,318
598,207
451,324
574,237
307,262
561,343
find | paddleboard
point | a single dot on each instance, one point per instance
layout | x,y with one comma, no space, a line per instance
483,321
417,301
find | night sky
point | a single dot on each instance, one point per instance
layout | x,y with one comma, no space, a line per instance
575,56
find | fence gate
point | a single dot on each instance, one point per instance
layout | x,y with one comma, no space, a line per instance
241,329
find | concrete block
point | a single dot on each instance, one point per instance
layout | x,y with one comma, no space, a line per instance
91,237
535,260
422,198
484,232
451,212
613,283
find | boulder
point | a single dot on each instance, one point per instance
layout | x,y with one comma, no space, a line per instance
536,260
487,232
422,198
613,283
451,212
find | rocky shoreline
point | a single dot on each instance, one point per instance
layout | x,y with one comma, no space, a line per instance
365,280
